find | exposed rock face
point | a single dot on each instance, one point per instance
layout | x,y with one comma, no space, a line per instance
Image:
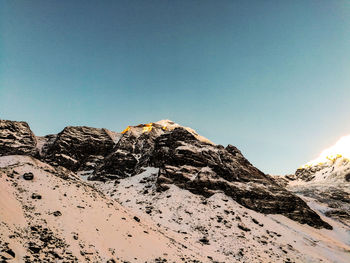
194,194
16,138
183,157
202,168
206,169
45,143
132,152
79,147
308,173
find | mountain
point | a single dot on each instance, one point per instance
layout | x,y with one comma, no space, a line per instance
156,192
325,181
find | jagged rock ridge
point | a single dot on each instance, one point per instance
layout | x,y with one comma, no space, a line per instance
185,159
186,200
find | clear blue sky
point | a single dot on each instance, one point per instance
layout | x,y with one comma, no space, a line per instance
271,77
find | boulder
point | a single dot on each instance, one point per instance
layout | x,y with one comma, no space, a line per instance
28,176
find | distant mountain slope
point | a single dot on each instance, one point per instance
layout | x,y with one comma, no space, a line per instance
326,180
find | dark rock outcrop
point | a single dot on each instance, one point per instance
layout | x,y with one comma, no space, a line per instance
132,152
308,173
16,138
78,148
206,169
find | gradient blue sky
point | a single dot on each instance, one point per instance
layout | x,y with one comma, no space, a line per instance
271,77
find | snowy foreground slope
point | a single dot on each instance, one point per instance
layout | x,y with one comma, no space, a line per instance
153,193
58,217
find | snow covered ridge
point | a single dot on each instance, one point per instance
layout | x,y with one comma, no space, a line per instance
184,159
162,125
325,182
151,194
331,165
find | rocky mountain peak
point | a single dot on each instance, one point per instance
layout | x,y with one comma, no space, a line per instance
158,128
183,158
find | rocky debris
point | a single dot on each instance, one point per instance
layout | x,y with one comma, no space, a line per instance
75,236
257,222
204,240
34,248
184,213
57,213
243,227
176,213
6,253
45,245
77,147
28,176
36,196
16,138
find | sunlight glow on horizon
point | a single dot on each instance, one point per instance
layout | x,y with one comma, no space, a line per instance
340,149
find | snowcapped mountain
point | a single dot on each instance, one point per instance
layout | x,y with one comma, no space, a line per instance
156,192
325,182
332,165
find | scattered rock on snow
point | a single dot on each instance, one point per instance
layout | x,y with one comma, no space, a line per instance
28,176
36,196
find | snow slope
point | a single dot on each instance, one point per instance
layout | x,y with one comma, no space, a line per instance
73,222
224,230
